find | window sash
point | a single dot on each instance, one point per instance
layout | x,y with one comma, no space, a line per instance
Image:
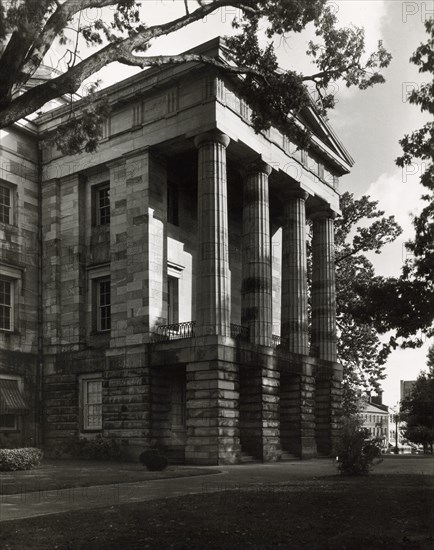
8,422
104,307
172,300
103,206
92,404
6,305
5,205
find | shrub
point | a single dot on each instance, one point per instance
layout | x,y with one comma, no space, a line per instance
356,454
20,459
98,448
154,460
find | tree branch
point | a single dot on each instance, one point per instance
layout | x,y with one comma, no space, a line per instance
53,26
160,60
317,76
17,47
70,82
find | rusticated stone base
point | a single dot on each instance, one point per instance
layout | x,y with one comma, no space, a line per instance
328,399
212,413
297,420
259,412
239,399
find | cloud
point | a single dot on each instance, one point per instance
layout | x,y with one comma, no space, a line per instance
398,194
369,15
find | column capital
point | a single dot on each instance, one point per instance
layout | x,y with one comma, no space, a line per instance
321,212
256,166
213,136
295,193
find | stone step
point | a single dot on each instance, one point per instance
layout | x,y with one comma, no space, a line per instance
248,459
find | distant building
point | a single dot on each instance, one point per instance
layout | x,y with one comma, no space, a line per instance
376,419
406,388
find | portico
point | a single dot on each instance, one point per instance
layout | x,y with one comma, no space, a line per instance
213,352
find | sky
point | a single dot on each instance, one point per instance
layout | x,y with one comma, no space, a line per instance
369,123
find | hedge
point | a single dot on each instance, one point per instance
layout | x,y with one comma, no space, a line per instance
20,459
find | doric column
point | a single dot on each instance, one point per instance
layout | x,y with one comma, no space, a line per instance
213,310
294,273
323,285
256,291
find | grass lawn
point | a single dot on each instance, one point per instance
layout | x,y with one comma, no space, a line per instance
381,511
61,474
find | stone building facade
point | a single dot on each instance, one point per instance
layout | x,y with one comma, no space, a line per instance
160,289
375,417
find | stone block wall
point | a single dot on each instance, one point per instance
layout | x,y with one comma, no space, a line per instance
212,413
297,409
25,366
259,412
19,264
126,403
164,434
328,398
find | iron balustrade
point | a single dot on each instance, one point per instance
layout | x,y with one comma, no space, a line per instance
176,331
240,332
277,341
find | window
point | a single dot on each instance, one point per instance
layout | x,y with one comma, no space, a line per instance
5,204
103,305
178,400
12,403
91,399
103,205
8,422
172,204
6,304
172,300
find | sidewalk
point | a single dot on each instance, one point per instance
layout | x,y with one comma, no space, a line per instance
49,500
258,476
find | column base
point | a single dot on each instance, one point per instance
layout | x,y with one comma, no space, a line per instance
259,413
297,419
212,413
328,403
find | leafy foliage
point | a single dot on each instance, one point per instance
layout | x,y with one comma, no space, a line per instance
29,30
418,408
405,304
83,130
20,459
360,350
98,448
356,454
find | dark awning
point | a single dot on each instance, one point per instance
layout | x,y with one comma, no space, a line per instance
11,398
